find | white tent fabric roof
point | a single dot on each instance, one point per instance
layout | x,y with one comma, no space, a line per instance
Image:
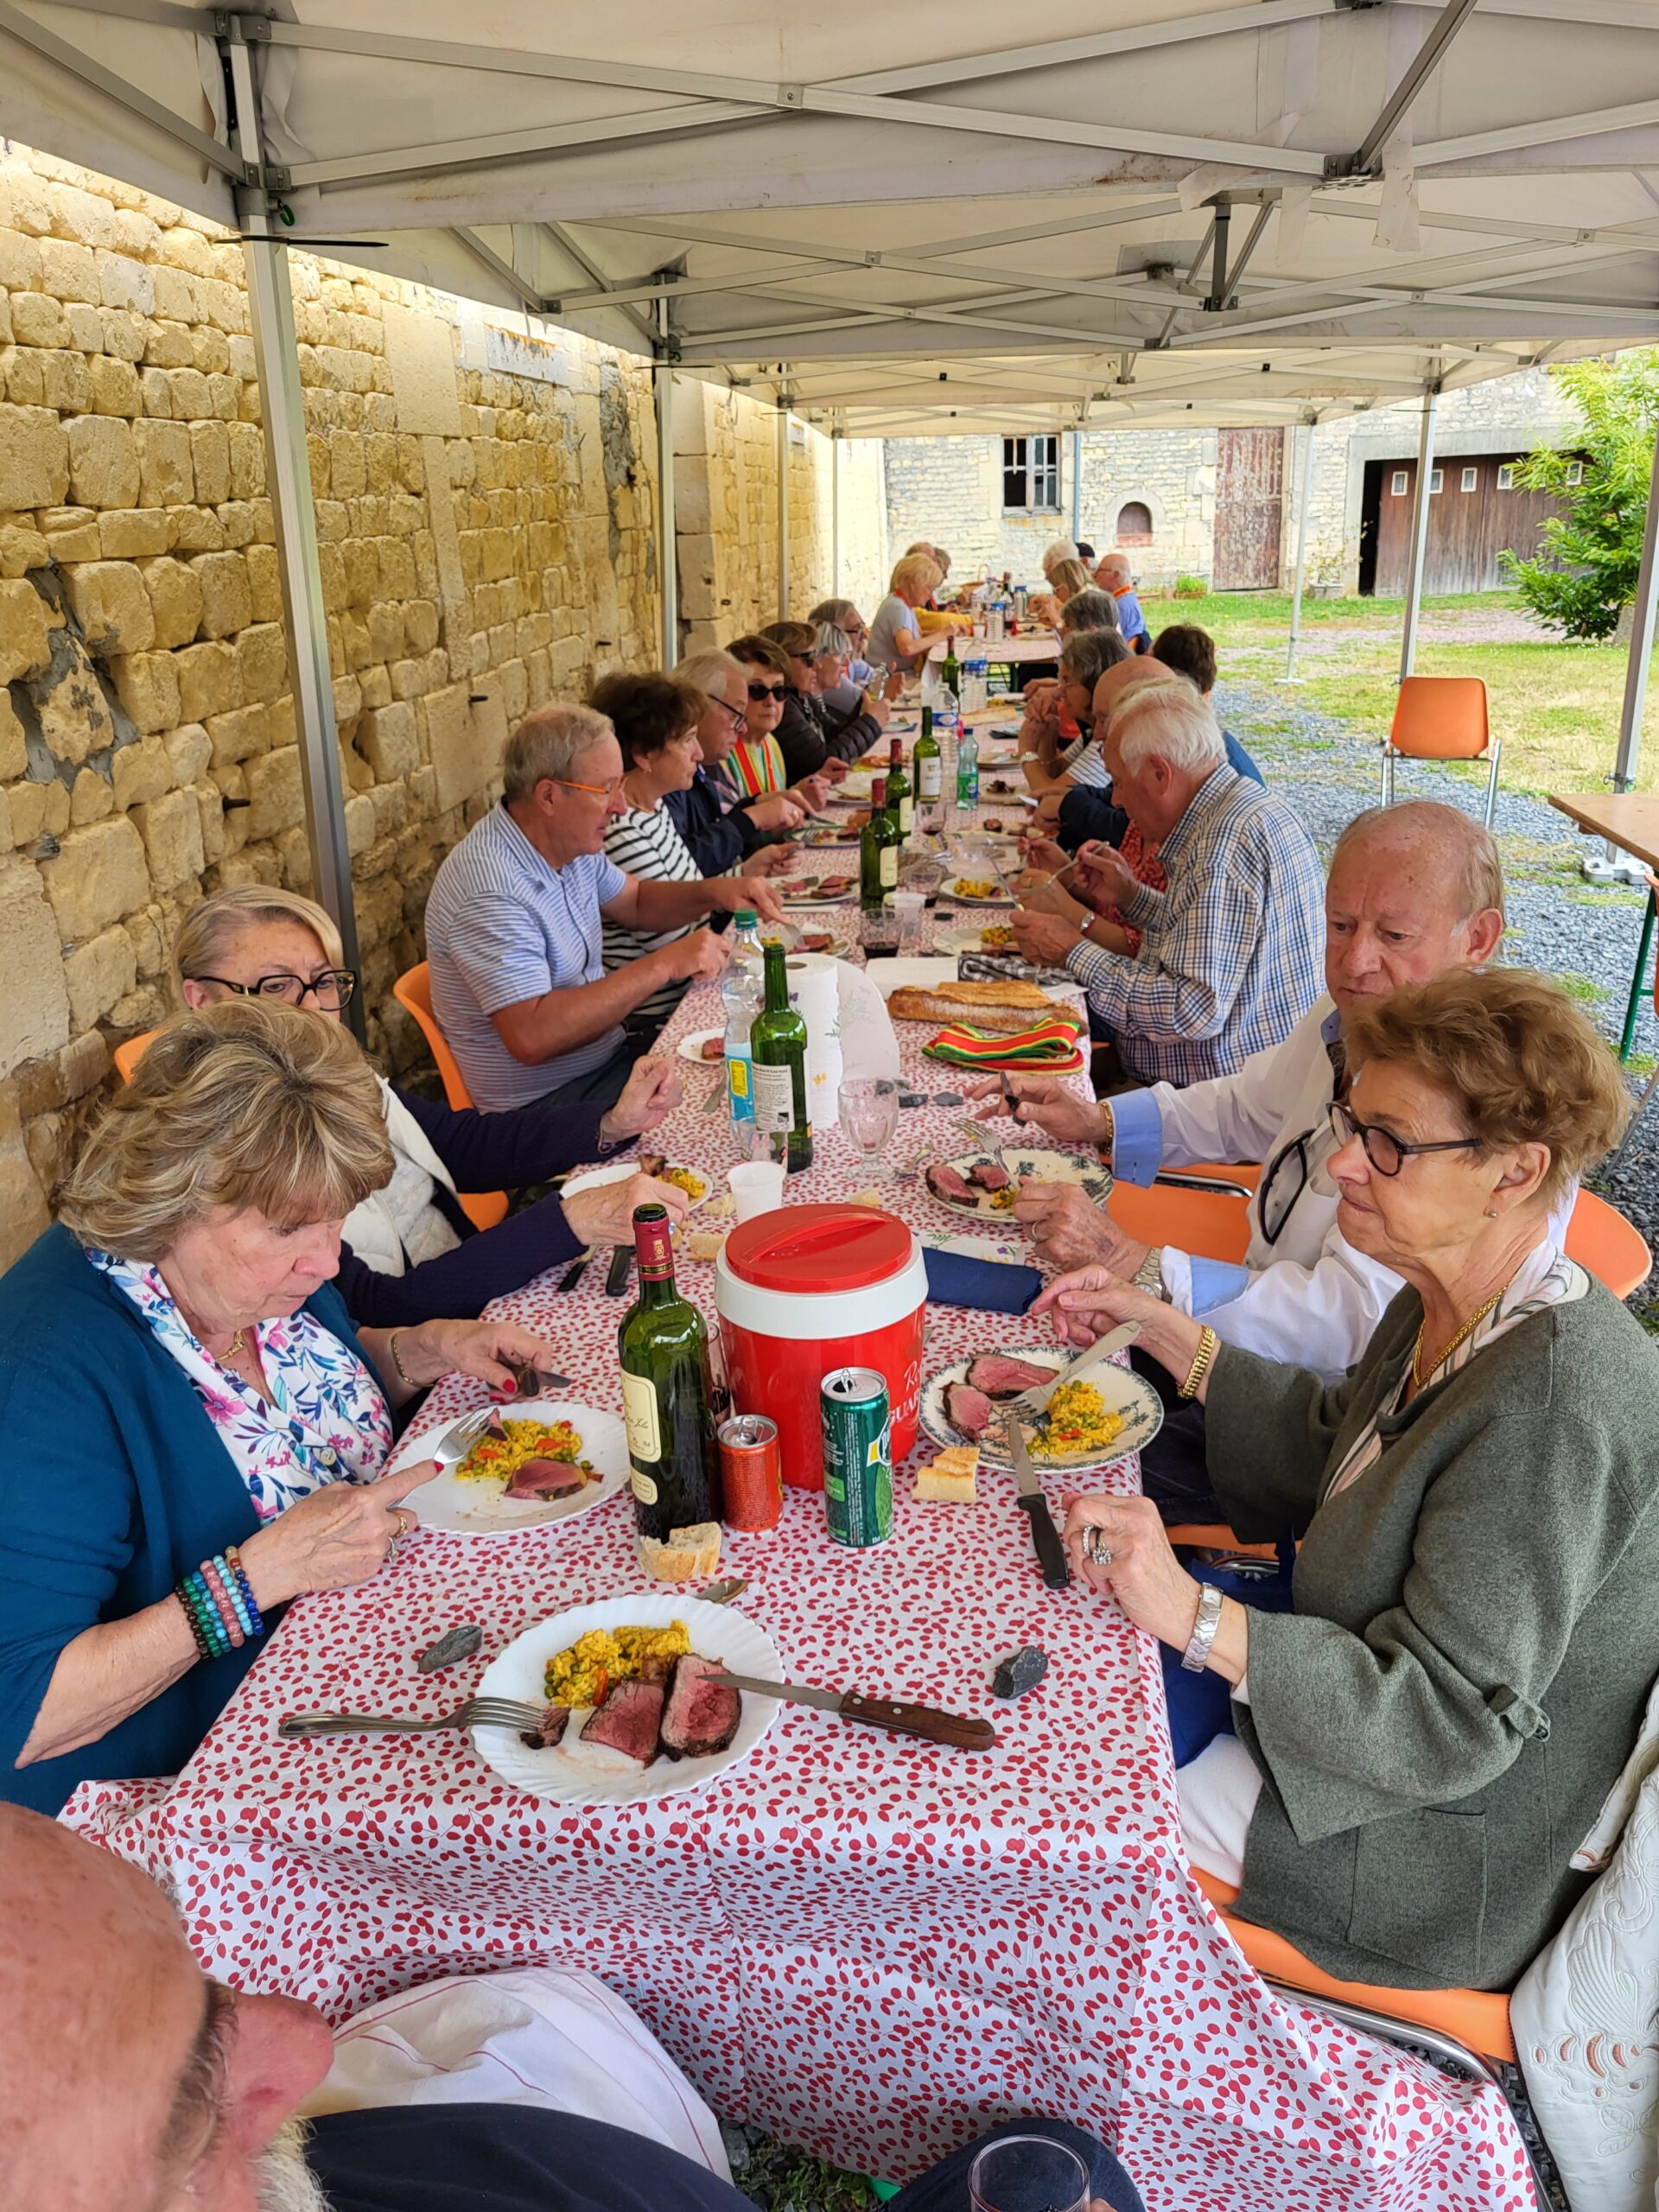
961,234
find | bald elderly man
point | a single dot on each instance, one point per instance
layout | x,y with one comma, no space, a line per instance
130,2082
1412,890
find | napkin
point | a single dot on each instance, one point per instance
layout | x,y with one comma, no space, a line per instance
991,1285
1051,1046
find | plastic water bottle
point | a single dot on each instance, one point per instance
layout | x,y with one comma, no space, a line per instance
967,770
742,987
975,685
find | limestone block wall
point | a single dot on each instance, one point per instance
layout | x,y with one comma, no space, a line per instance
487,543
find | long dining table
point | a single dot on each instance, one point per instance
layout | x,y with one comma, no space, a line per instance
871,1946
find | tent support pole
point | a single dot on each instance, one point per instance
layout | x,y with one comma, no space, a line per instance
668,555
1417,560
1076,487
1302,501
277,366
783,506
835,512
1641,629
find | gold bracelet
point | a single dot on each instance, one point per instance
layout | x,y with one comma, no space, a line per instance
403,1376
1203,1360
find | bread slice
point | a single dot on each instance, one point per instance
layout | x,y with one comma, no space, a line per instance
951,1476
687,1553
1002,1007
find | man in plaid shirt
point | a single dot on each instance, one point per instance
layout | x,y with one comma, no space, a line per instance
1231,953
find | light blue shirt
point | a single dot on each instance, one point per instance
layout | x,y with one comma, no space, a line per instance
504,925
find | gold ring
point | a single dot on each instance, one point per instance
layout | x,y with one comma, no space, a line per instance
404,1521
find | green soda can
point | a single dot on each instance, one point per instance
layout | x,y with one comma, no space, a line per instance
857,1456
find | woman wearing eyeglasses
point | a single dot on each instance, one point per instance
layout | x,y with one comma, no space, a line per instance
408,1252
755,765
1411,1754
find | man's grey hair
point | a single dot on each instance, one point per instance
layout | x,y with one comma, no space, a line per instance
1464,848
1062,549
1089,610
832,639
1086,657
842,612
1169,720
548,744
709,670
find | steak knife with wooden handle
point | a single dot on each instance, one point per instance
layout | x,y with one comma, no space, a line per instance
899,1718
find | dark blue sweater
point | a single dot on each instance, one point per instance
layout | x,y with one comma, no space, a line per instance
113,1486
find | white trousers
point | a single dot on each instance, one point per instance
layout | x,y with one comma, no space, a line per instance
1217,1792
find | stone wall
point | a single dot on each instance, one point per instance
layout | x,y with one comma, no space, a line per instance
490,558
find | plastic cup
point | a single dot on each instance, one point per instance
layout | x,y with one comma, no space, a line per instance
757,1187
1027,2173
909,907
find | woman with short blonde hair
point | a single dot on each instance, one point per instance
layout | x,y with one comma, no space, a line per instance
896,637
207,1431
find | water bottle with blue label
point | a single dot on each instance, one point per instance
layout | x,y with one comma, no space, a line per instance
742,987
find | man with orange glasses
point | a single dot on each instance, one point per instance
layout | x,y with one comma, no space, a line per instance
513,925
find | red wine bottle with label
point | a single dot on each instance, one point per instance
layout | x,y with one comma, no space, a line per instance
667,1394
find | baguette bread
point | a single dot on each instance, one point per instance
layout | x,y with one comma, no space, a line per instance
1005,1006
951,1476
687,1553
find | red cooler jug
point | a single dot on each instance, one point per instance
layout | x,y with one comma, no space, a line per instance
806,1289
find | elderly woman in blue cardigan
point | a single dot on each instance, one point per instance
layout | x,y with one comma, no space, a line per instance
194,1432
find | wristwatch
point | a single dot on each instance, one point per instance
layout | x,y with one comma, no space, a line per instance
1149,1276
1196,1657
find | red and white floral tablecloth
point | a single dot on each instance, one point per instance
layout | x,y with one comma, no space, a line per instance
871,1947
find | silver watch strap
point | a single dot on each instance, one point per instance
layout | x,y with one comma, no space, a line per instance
1196,1657
1149,1276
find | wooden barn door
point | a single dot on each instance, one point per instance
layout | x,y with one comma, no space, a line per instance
1250,501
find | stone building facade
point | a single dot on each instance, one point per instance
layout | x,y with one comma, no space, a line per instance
950,490
485,511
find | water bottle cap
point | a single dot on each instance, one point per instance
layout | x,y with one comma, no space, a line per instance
745,918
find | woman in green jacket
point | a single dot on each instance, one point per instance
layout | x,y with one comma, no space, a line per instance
1423,1741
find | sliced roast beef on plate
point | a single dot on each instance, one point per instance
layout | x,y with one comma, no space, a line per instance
968,1410
989,1176
624,1733
544,1478
700,1714
1000,1376
945,1183
549,1731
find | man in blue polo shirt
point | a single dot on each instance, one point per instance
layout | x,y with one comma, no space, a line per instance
512,925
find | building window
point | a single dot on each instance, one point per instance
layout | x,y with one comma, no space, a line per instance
1397,489
1436,482
1134,522
1575,472
1030,475
1506,476
1470,480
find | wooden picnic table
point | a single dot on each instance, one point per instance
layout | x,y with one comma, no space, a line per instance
1630,821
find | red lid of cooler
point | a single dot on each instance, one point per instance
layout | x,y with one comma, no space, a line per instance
812,1250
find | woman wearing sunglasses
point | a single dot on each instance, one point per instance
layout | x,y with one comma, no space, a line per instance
1411,1754
755,765
409,1251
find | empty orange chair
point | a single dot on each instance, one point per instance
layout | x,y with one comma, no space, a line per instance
1440,718
127,1057
1211,1223
413,991
1599,1238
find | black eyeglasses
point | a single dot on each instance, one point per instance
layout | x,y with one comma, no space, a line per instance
768,690
1282,1186
332,990
739,720
1387,1153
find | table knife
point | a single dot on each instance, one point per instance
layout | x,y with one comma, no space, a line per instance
1051,1553
616,1280
572,1274
1035,1401
899,1718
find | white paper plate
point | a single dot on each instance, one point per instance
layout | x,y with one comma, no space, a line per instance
1025,1161
468,1509
1121,1389
563,1776
691,1048
592,1178
963,936
803,891
998,897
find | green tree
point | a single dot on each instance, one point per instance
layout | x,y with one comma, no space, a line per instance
1585,573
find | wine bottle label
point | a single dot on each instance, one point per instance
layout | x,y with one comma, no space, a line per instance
907,816
889,867
645,1428
927,778
774,1099
643,1487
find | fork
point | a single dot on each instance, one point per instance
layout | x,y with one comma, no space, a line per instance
980,1134
460,1437
472,1712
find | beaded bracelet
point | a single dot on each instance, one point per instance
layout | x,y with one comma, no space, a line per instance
220,1592
219,1604
253,1619
211,1642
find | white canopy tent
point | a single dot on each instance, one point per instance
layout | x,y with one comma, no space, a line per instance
1271,212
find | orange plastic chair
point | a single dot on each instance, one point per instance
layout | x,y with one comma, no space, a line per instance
127,1056
1440,718
413,992
1599,1238
1174,1211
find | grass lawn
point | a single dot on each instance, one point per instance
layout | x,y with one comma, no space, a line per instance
1555,706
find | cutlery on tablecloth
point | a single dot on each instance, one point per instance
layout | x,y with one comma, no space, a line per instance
721,1594
1051,1553
472,1712
572,1274
898,1717
1036,1400
616,1276
717,1097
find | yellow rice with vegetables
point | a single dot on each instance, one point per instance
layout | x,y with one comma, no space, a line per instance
493,1458
974,887
585,1673
1076,1423
683,1180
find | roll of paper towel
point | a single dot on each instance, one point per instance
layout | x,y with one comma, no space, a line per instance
815,994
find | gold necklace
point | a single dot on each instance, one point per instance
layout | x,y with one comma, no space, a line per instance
1418,1378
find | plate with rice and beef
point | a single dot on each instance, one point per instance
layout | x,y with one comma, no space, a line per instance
538,1461
1107,1412
634,1709
979,1185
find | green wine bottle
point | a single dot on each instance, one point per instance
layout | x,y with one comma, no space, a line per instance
950,672
900,805
878,851
667,1395
777,1050
927,763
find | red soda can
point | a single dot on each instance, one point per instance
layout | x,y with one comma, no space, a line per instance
751,1472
